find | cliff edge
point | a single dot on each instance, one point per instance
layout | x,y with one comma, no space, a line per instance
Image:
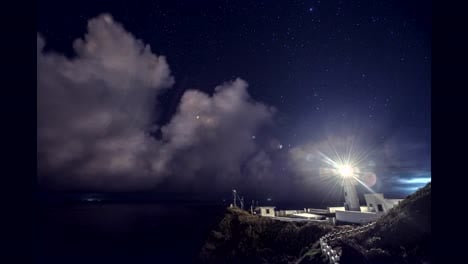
244,238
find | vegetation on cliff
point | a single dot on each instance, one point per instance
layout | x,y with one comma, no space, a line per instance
403,235
244,238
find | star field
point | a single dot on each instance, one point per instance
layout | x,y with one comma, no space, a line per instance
328,67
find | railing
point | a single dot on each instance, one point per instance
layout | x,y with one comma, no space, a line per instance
333,255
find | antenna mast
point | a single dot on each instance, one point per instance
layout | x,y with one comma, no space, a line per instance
234,194
236,197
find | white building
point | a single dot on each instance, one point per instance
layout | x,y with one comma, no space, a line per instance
350,193
356,217
376,206
268,211
287,212
309,216
332,210
377,203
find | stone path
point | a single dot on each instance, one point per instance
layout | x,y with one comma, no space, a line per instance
332,254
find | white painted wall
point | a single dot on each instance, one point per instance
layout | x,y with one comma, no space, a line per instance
375,199
351,197
341,208
356,217
287,212
309,215
393,202
268,211
335,208
364,208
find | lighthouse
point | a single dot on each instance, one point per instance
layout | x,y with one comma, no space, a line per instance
350,193
349,184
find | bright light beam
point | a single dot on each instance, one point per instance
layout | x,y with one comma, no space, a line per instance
364,184
346,171
343,165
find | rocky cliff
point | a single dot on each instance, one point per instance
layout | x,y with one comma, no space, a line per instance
244,238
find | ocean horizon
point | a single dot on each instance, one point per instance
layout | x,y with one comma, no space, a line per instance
97,232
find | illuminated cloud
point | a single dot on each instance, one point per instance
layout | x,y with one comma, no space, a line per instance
213,135
95,111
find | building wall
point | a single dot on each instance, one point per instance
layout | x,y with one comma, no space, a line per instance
335,208
375,199
287,212
364,209
309,215
341,208
267,211
290,212
351,197
393,202
356,217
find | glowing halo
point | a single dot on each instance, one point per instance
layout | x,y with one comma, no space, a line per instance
346,170
338,161
344,163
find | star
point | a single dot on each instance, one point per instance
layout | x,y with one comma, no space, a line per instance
283,54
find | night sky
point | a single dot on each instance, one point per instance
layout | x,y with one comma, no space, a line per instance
315,74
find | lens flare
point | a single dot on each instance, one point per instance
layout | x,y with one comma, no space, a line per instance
344,163
370,179
346,170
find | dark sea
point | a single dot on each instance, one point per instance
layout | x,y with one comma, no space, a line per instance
124,232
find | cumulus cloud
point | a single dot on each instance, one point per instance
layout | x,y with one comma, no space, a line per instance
213,135
95,111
